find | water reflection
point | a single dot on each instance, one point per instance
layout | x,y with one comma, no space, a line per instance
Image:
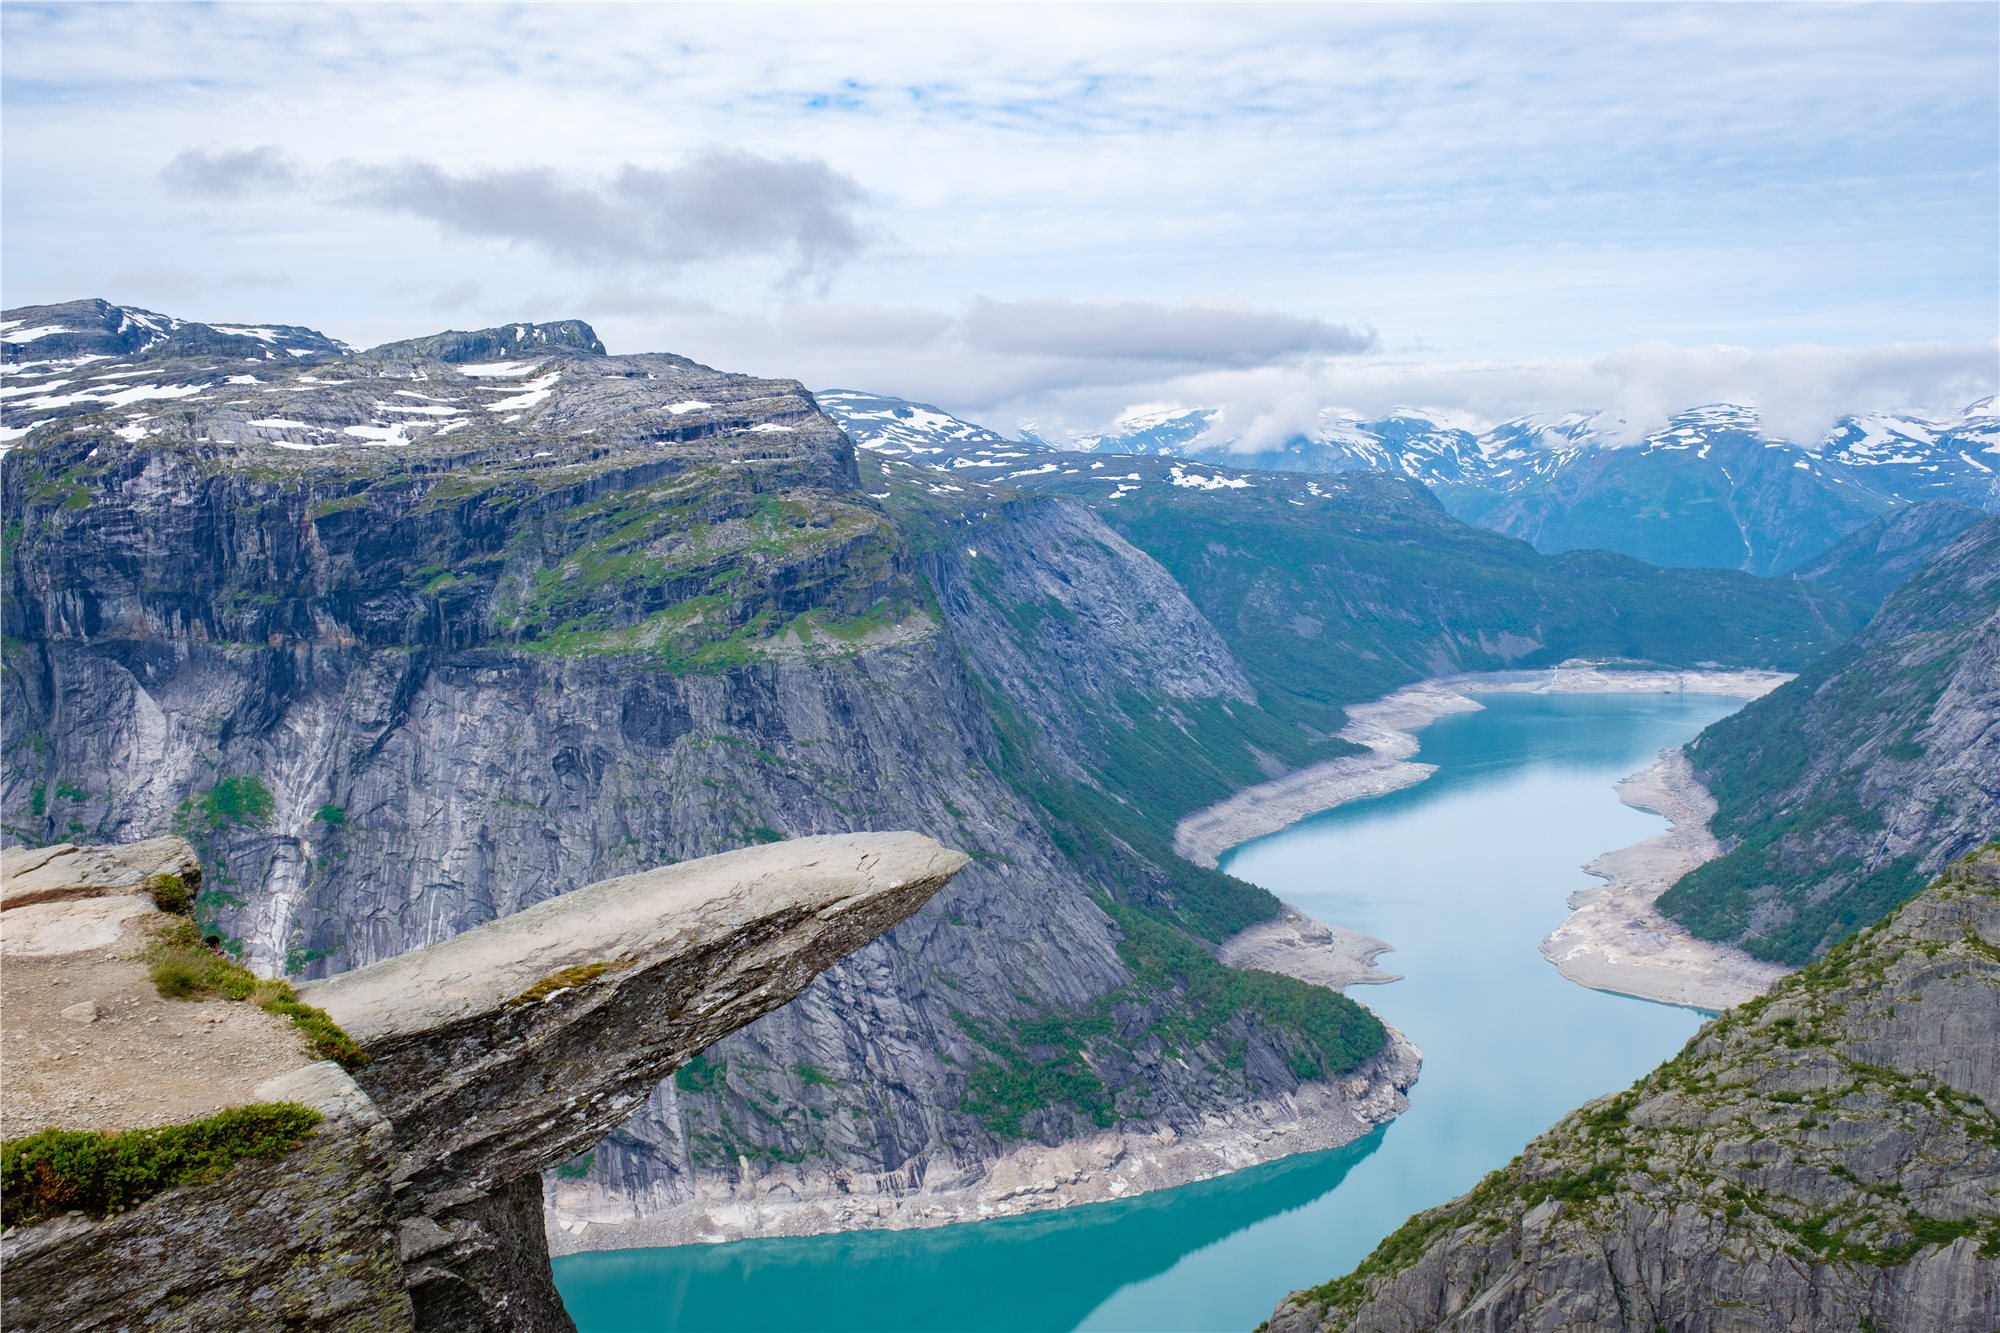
1039,1272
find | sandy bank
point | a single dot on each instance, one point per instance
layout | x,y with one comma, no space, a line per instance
794,1201
1310,950
1615,938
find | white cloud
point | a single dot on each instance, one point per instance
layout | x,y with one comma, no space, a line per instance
1516,188
1798,390
719,204
935,357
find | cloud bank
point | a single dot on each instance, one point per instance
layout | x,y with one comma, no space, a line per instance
1799,391
720,204
1070,367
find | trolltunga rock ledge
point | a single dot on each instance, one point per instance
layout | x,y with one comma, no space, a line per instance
494,1055
608,987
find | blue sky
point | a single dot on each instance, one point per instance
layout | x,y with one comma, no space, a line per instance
1058,212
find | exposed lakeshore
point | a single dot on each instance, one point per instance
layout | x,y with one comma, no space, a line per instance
1615,938
1613,942
1032,1178
1387,726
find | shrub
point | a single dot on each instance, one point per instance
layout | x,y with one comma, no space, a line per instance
184,968
171,894
241,799
100,1172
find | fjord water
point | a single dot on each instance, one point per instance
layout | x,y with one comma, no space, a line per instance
1464,874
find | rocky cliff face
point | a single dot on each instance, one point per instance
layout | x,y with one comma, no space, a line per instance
417,638
411,639
1840,793
1824,1157
1868,564
414,1199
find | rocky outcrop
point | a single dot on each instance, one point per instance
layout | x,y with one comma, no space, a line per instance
64,872
1825,1157
1868,564
91,1044
306,1240
611,988
1839,794
493,1056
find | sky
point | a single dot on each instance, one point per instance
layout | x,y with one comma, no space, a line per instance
1057,213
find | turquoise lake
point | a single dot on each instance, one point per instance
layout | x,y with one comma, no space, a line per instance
1464,874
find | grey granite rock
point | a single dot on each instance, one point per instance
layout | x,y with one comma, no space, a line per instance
303,1240
492,616
495,1055
1824,1157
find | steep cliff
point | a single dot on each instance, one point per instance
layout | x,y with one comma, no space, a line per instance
1840,793
409,1193
417,638
1823,1157
1868,564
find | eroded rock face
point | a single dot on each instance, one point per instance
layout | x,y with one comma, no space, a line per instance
64,872
496,1055
1826,1157
504,1051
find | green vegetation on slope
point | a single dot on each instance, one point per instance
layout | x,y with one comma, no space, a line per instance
1179,998
183,967
97,1173
241,799
1371,587
1804,777
1119,831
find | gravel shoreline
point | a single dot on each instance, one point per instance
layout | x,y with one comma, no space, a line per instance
1615,938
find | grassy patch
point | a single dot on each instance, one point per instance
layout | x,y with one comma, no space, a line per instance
184,968
241,799
98,1173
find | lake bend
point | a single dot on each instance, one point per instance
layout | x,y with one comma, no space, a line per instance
1463,874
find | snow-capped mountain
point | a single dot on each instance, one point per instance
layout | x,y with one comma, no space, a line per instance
1917,458
904,429
1709,488
1168,431
79,331
1909,457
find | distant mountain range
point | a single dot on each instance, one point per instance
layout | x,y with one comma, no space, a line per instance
1710,489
